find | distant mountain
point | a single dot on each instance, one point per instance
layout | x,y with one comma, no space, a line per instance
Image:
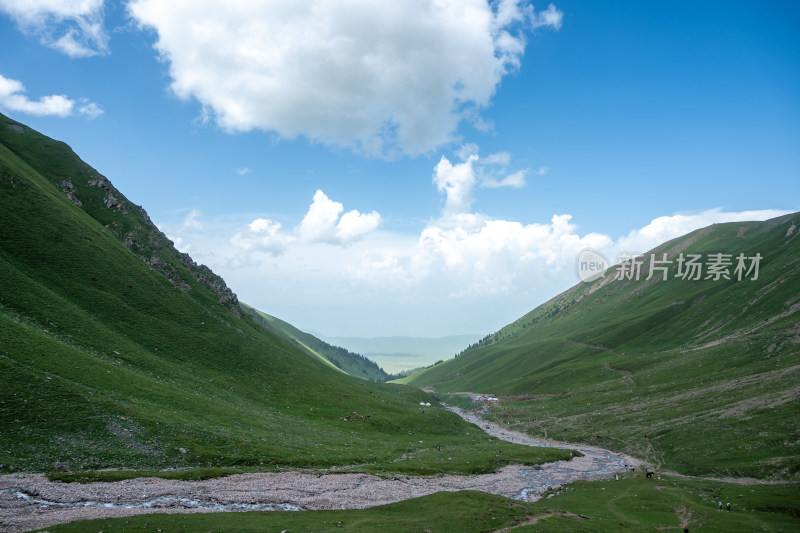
118,351
697,372
396,354
352,363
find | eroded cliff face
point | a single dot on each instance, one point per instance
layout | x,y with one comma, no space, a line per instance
96,195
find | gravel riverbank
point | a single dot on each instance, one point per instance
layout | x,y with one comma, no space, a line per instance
30,501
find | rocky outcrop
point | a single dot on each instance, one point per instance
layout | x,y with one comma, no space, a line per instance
139,235
213,282
69,190
100,183
112,203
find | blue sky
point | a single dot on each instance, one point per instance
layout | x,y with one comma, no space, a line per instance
399,168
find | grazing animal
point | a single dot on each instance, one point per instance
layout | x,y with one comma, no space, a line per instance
650,474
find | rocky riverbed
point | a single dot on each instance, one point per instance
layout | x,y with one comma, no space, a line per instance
30,501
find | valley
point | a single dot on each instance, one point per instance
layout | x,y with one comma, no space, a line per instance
135,382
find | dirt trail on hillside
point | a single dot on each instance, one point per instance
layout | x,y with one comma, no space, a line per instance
30,501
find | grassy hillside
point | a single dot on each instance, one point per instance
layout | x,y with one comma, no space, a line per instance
118,351
352,363
700,376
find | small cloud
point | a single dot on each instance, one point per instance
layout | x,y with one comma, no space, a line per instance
319,224
72,27
90,109
515,180
243,171
179,243
322,222
12,97
500,158
466,150
542,171
493,172
456,181
262,235
353,225
551,17
192,221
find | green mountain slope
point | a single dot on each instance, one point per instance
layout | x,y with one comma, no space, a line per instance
352,363
118,351
700,376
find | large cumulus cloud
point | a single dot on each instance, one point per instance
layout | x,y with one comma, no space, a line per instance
381,77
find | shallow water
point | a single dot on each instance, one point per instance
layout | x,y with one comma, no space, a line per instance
160,503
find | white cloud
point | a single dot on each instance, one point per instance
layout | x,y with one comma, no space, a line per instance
192,221
90,109
319,224
74,27
464,271
515,179
189,226
262,235
470,255
549,17
12,98
466,255
353,225
380,77
322,223
243,171
458,180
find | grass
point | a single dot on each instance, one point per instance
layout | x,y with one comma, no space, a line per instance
696,377
632,503
463,512
111,476
640,504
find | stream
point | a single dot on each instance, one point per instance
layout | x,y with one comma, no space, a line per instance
30,501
